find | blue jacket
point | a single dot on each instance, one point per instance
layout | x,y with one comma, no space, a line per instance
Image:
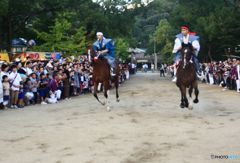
105,44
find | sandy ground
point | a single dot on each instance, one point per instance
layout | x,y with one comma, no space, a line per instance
147,126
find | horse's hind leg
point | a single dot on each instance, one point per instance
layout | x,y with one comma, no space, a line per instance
116,87
196,91
190,91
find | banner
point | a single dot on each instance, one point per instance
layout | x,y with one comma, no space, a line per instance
4,57
43,55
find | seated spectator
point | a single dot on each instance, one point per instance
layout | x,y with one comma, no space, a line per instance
21,96
52,98
54,87
29,96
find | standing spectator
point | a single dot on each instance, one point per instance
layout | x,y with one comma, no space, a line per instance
66,86
29,68
76,82
42,88
238,76
15,80
152,67
162,73
60,87
72,83
1,92
6,90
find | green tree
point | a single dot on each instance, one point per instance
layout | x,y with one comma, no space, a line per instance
122,49
62,37
164,38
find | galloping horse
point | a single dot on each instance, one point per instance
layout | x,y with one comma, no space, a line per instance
101,74
186,77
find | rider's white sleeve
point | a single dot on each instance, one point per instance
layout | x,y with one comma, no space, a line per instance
177,45
196,46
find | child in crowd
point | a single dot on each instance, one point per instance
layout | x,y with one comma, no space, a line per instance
34,86
21,96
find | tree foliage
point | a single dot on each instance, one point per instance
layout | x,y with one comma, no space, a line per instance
137,23
122,49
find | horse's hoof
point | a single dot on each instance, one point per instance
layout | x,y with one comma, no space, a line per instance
118,100
190,107
103,103
108,109
196,101
182,105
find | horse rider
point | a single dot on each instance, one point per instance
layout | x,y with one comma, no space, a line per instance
104,48
183,39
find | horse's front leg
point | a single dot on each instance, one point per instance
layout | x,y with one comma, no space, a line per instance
182,98
196,92
95,92
106,94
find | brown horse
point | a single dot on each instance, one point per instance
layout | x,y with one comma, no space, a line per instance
187,78
101,74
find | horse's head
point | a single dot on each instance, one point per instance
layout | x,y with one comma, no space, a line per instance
186,52
93,56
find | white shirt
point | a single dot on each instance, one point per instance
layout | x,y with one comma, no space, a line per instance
16,81
178,44
29,71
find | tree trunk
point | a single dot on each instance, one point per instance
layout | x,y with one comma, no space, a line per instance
209,52
9,32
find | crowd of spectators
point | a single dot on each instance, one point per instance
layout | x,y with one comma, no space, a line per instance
225,74
46,82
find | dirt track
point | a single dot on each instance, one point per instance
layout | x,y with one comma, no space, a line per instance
147,126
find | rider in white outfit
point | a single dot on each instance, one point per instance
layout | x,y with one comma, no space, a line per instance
185,38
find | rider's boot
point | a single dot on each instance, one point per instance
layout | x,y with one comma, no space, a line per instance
197,68
113,71
175,72
174,79
199,73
